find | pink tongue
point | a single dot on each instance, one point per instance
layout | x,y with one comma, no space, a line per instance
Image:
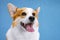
29,28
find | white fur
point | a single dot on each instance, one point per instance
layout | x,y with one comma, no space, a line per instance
19,33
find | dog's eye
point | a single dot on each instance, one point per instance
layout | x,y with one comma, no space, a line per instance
24,14
33,14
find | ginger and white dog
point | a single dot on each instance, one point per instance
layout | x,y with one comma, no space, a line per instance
24,25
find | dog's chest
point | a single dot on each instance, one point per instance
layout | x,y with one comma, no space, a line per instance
25,35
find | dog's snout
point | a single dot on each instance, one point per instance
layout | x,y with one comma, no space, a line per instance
31,18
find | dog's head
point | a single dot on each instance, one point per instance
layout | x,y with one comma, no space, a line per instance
25,18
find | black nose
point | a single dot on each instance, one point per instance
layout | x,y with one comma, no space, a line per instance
31,18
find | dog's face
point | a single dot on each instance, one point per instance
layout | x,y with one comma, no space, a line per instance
26,18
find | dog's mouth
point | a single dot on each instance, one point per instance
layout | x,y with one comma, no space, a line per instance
28,26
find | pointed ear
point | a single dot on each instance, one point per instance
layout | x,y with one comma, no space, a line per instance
38,10
12,9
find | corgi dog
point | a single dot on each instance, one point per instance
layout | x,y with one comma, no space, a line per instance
24,25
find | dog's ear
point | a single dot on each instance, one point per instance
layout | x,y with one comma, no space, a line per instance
38,10
12,9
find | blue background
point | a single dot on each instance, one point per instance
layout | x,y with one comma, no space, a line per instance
49,17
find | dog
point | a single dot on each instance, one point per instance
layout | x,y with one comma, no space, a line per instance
24,25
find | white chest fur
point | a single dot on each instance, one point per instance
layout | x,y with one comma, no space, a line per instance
15,34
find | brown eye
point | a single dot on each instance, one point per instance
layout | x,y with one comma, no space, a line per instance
33,14
24,14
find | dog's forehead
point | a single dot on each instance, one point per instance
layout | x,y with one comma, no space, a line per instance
26,10
29,10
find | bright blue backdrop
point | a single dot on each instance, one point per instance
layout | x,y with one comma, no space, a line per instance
49,17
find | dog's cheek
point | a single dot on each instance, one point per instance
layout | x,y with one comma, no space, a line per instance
14,24
36,17
36,22
22,17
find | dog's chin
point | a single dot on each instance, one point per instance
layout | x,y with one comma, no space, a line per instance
28,26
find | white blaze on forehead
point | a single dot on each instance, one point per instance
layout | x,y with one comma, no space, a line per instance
29,11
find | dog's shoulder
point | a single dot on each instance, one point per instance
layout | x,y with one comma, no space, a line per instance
8,32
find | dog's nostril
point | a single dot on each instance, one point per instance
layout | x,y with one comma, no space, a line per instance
31,18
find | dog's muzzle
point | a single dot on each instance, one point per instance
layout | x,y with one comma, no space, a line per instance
28,26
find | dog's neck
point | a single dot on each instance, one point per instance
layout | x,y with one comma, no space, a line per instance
20,32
